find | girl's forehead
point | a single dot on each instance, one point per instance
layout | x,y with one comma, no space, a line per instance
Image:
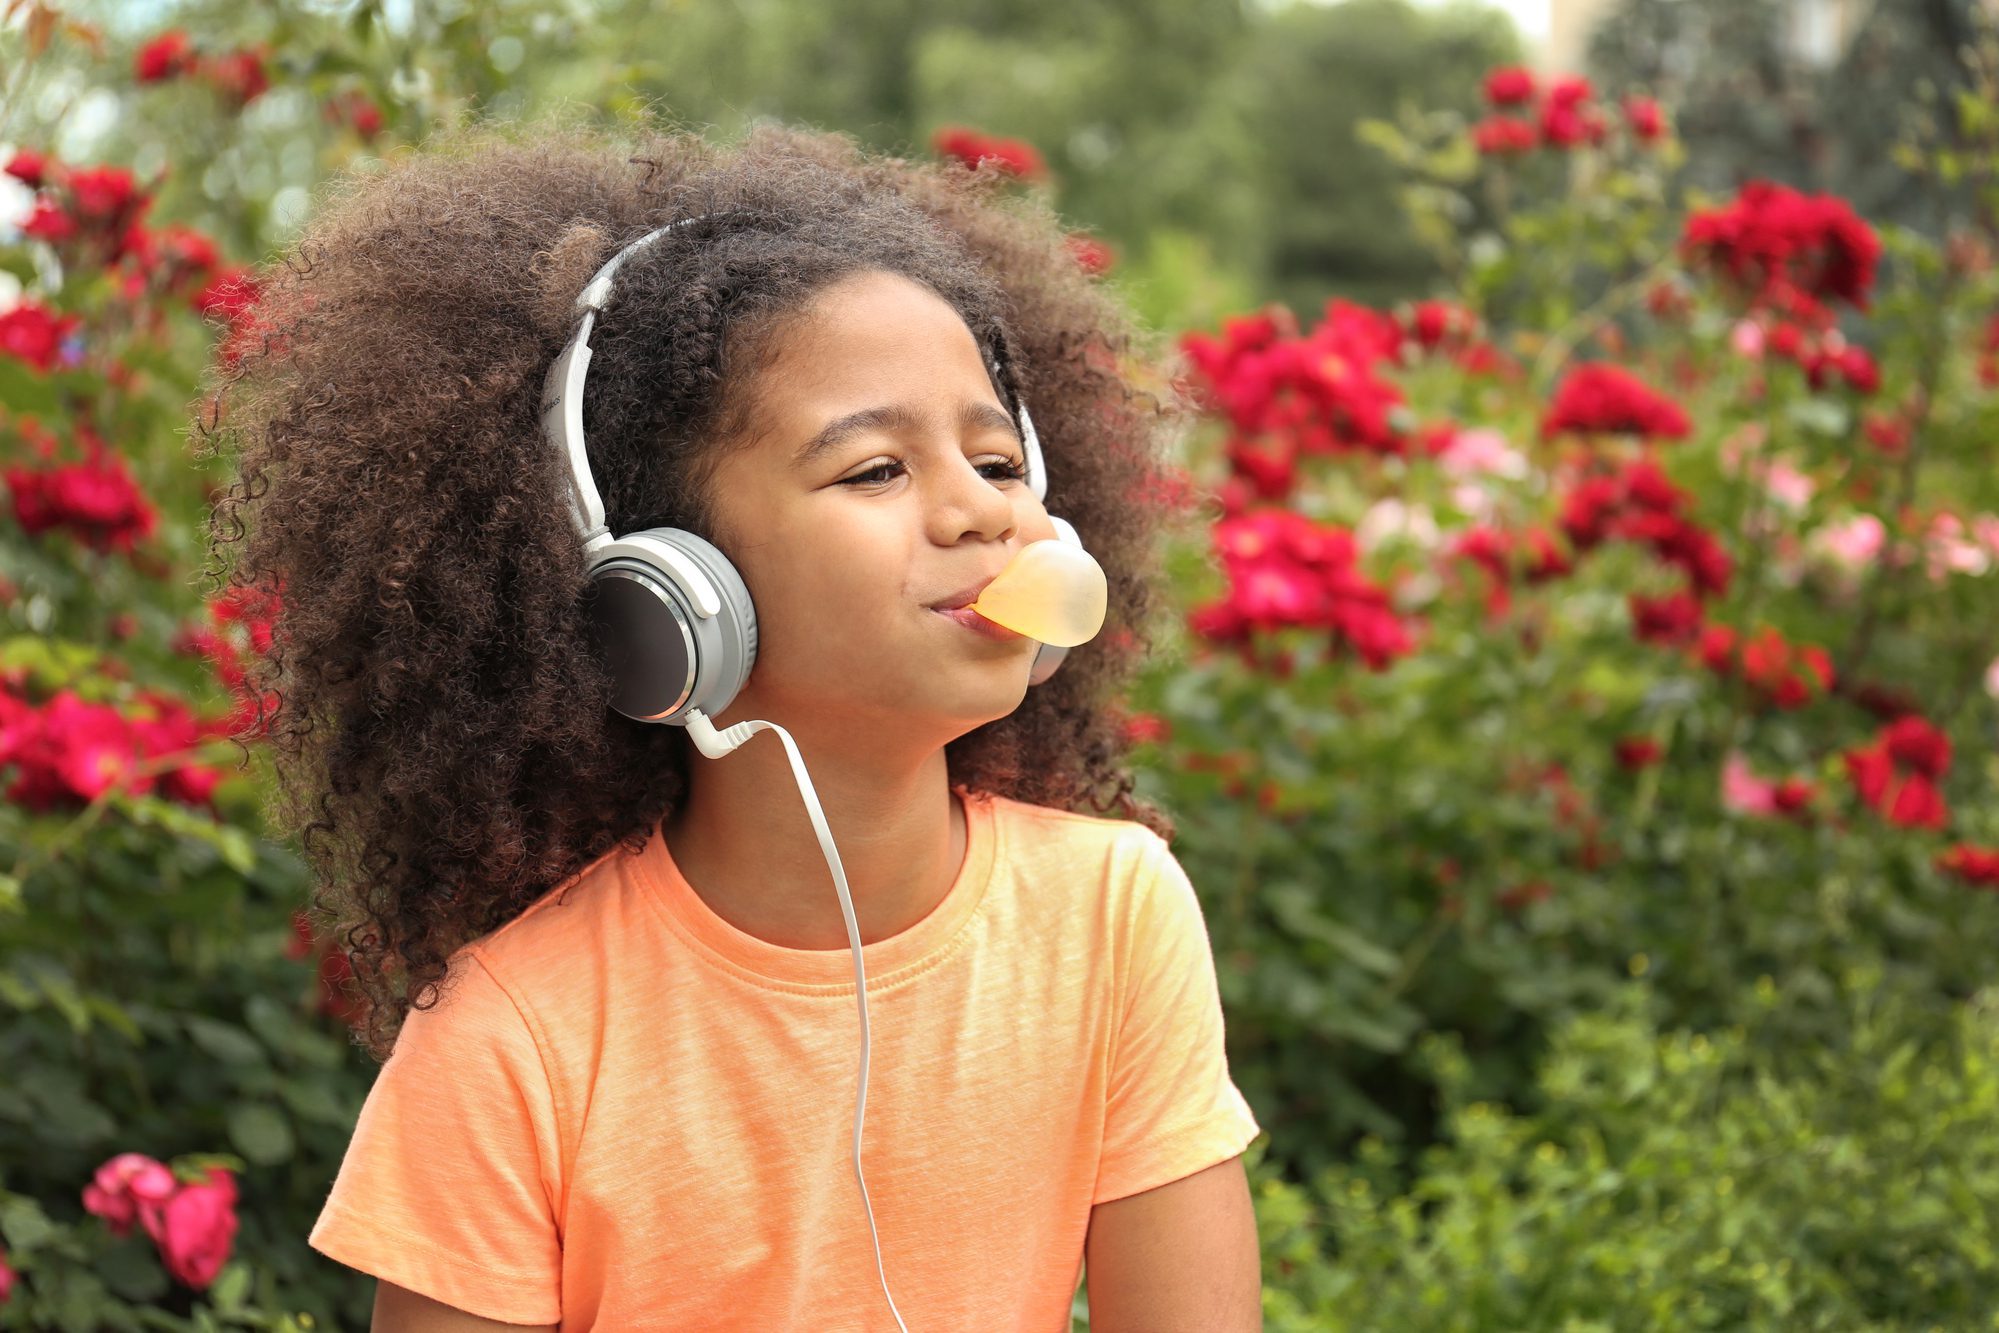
874,301
823,364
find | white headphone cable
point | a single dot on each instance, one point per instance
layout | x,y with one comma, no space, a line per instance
715,744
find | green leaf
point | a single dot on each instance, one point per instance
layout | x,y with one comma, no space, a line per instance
261,1133
23,1223
232,844
25,389
70,1005
271,1021
1295,906
78,1302
314,1102
1363,1029
229,1288
131,1268
1820,416
114,1017
68,1116
224,1041
19,993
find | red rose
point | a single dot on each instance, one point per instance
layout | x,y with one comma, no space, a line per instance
1509,85
1977,866
1498,136
1787,250
163,57
1597,397
34,334
1520,895
28,166
1897,774
1636,752
1092,254
1013,157
238,75
1647,121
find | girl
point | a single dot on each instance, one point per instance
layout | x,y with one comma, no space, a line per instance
608,976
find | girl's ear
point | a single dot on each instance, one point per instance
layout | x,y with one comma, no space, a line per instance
560,273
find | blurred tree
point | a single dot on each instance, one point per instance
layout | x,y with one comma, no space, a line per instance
1803,91
1333,221
1210,142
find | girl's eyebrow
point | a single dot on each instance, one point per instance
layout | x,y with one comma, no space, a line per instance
895,417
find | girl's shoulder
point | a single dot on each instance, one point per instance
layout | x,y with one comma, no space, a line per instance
569,913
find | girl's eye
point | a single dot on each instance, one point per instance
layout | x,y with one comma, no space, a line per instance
879,475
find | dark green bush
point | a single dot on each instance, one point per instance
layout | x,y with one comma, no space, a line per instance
1671,1180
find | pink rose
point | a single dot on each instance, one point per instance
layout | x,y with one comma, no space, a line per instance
1744,792
1747,339
1950,552
195,1228
6,1280
122,1185
1478,452
1390,520
1855,543
1788,486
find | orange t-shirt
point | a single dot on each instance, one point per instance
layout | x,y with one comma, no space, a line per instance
625,1113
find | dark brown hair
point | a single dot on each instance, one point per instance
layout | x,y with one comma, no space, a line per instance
442,739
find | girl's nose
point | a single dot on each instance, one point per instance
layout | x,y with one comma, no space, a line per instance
975,501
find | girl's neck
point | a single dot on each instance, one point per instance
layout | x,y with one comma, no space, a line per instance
746,846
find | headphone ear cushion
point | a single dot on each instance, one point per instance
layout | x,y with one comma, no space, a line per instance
675,623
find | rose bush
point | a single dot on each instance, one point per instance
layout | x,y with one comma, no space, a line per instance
1583,745
179,1082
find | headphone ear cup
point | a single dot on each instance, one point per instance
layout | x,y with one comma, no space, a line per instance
674,622
1046,659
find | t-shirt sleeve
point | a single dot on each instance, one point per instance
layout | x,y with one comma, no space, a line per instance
449,1183
1172,1108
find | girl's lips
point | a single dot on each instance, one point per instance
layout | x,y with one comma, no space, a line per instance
977,623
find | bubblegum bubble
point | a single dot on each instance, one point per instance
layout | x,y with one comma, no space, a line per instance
1052,591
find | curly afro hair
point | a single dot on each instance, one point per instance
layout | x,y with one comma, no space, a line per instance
441,733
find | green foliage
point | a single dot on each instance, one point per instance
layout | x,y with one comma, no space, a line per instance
1674,1180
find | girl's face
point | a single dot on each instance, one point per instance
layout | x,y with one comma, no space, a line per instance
846,535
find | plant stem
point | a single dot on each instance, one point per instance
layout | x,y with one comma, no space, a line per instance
1419,949
1586,322
1851,659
